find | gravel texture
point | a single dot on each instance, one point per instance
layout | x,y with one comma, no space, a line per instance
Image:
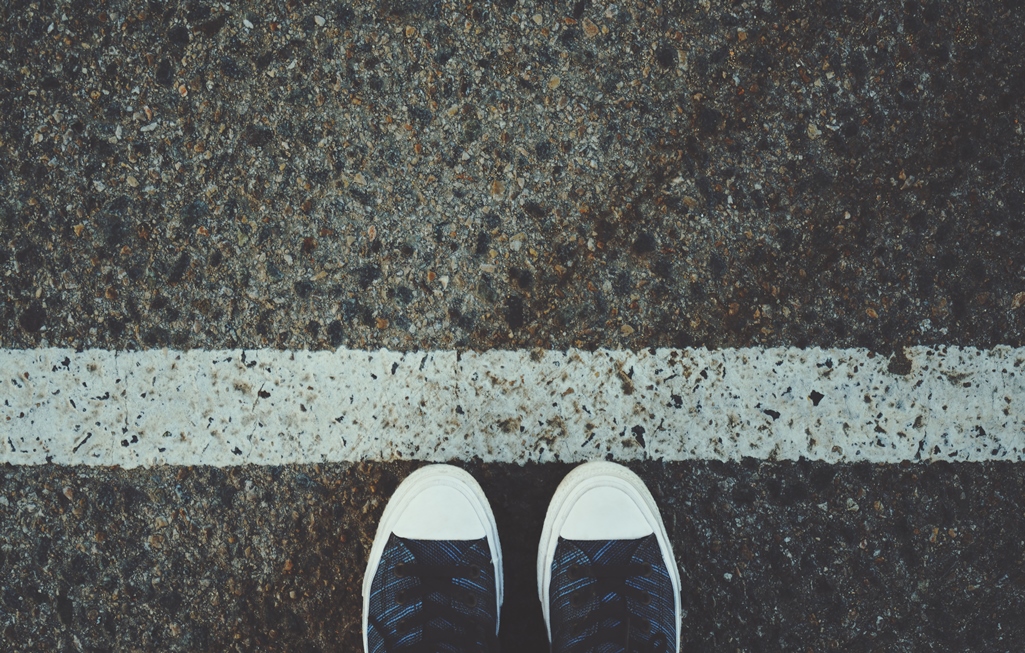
774,556
427,174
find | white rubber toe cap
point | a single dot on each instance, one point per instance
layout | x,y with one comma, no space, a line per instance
607,512
441,512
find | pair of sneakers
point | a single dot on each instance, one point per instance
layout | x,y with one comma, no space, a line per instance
606,575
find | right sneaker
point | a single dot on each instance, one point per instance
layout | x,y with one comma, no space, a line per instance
606,575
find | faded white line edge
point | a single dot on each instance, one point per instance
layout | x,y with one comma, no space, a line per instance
273,407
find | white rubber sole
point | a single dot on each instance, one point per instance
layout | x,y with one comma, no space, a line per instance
429,476
583,478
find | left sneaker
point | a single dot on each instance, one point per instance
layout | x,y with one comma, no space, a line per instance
434,578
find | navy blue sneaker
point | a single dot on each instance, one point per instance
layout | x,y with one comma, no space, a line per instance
434,578
606,575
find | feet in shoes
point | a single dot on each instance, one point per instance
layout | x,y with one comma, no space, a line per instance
607,578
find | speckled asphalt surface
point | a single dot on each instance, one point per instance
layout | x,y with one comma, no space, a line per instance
424,175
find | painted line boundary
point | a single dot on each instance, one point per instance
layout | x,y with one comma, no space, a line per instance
270,407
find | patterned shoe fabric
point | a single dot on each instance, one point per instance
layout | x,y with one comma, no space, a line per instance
433,596
612,596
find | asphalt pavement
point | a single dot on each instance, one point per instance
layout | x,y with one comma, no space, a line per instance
425,175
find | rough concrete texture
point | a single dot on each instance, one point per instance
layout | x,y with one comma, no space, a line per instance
429,174
774,556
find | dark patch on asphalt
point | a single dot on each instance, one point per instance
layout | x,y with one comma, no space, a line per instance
899,363
33,318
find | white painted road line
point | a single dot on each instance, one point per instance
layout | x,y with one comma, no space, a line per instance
274,407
